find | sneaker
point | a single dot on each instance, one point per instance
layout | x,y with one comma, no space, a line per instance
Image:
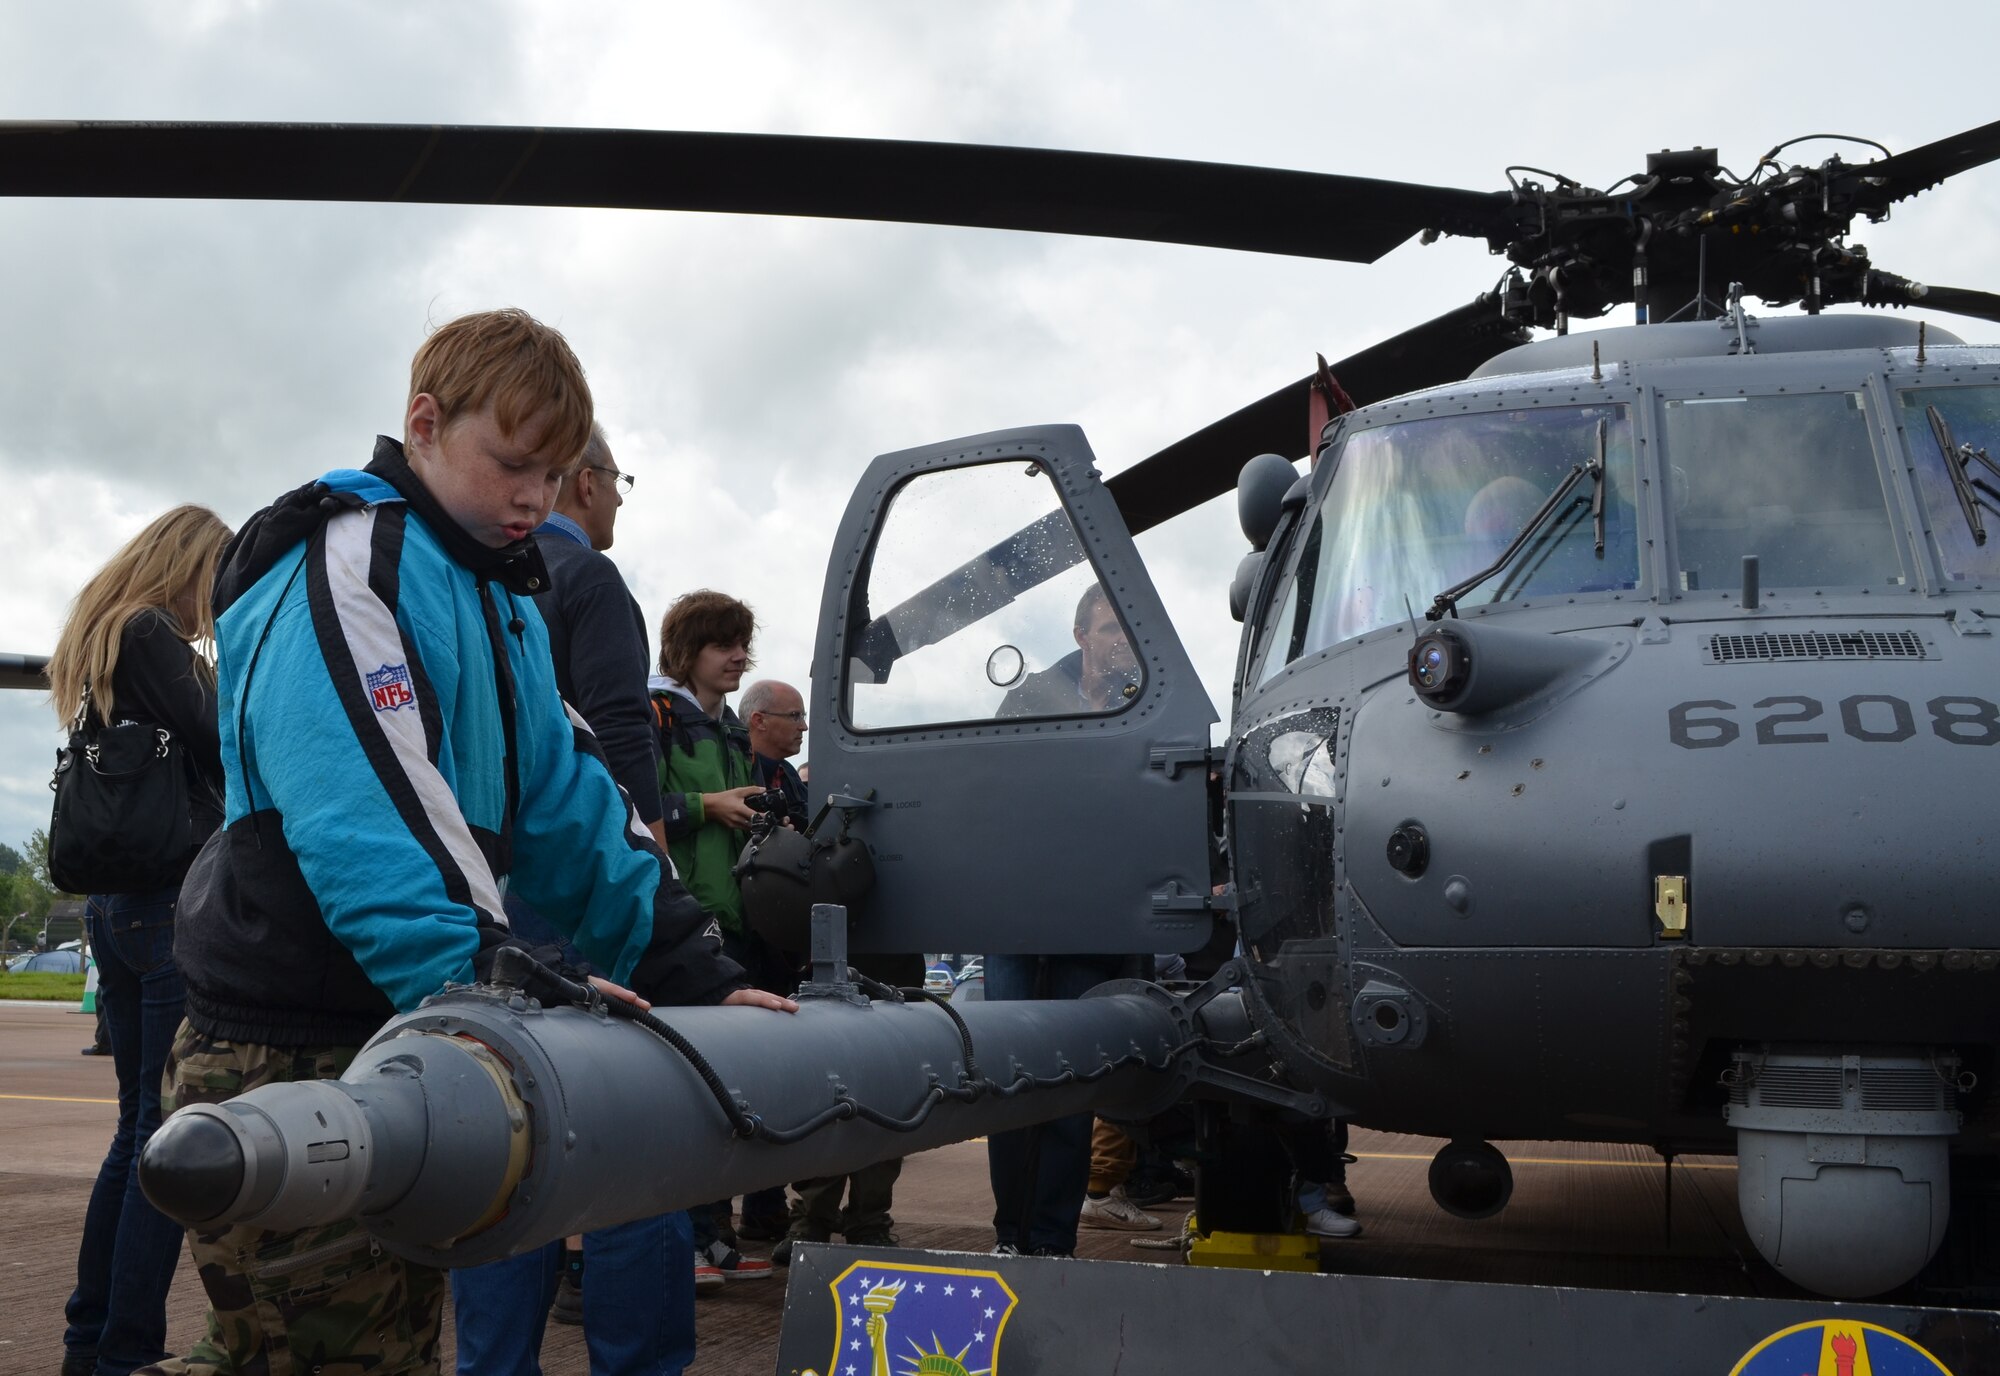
1328,1223
1160,1182
1006,1249
706,1277
1117,1212
872,1237
729,1263
781,1255
1145,1192
568,1306
1339,1200
79,1363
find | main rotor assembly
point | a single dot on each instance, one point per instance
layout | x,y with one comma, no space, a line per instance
1677,240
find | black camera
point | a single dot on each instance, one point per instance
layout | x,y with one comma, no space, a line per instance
769,801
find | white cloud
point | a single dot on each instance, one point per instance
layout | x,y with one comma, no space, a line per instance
748,369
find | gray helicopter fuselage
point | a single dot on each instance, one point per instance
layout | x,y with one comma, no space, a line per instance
1716,826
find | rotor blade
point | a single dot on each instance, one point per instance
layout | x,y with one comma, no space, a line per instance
1983,305
1921,168
1887,289
1218,205
24,671
1203,465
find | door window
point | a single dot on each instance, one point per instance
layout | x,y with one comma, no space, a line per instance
979,603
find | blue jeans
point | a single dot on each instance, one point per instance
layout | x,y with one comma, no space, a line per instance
126,1262
1039,1174
638,1303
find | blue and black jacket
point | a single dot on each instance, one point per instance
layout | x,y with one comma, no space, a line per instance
396,755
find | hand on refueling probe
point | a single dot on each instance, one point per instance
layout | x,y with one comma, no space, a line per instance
757,998
728,807
619,992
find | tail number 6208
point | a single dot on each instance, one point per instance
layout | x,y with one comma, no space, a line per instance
1875,718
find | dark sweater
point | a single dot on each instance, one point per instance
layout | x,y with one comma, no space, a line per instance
597,635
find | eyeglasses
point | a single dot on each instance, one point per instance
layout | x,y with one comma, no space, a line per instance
624,481
789,716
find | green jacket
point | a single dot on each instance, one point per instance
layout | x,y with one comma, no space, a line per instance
698,755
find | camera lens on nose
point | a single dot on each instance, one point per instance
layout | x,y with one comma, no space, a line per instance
1437,664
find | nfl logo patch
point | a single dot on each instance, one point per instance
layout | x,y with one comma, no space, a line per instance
389,688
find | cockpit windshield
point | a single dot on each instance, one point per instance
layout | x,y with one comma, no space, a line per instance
1789,478
1972,417
1415,507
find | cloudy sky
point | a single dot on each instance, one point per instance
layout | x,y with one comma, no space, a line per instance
158,352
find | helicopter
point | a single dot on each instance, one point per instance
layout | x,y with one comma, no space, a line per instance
1508,833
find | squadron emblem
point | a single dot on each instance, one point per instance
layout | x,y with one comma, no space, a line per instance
898,1320
1838,1347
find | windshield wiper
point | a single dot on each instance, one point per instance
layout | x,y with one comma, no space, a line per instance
1597,497
1447,601
1957,459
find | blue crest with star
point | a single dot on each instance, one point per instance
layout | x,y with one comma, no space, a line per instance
897,1319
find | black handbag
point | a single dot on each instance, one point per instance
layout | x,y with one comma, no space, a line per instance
121,822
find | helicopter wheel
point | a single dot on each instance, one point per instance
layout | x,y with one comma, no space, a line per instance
1471,1179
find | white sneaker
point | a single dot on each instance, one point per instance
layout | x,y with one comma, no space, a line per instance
1117,1212
1327,1223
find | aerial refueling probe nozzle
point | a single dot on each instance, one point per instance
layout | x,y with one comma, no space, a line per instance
482,1123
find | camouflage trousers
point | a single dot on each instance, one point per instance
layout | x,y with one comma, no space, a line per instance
326,1301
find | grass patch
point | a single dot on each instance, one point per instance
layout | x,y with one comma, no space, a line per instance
42,985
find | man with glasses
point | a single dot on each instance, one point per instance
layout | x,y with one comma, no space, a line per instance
775,716
596,631
637,1310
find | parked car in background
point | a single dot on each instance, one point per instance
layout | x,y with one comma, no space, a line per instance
47,963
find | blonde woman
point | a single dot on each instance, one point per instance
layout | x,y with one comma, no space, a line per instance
135,637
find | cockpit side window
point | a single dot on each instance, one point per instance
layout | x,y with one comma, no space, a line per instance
978,602
1789,478
1972,415
1417,506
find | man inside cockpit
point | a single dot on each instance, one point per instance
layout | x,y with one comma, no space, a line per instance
1100,675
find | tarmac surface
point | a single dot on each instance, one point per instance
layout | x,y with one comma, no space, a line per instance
1582,1214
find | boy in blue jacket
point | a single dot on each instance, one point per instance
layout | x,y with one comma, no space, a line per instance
397,757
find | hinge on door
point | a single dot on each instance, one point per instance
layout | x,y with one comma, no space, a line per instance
1174,899
1172,759
1670,904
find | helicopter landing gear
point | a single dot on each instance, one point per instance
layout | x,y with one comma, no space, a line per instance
1471,1179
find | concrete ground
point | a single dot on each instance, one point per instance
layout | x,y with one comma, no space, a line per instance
1581,1215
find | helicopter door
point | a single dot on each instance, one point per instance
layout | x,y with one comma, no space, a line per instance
997,683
